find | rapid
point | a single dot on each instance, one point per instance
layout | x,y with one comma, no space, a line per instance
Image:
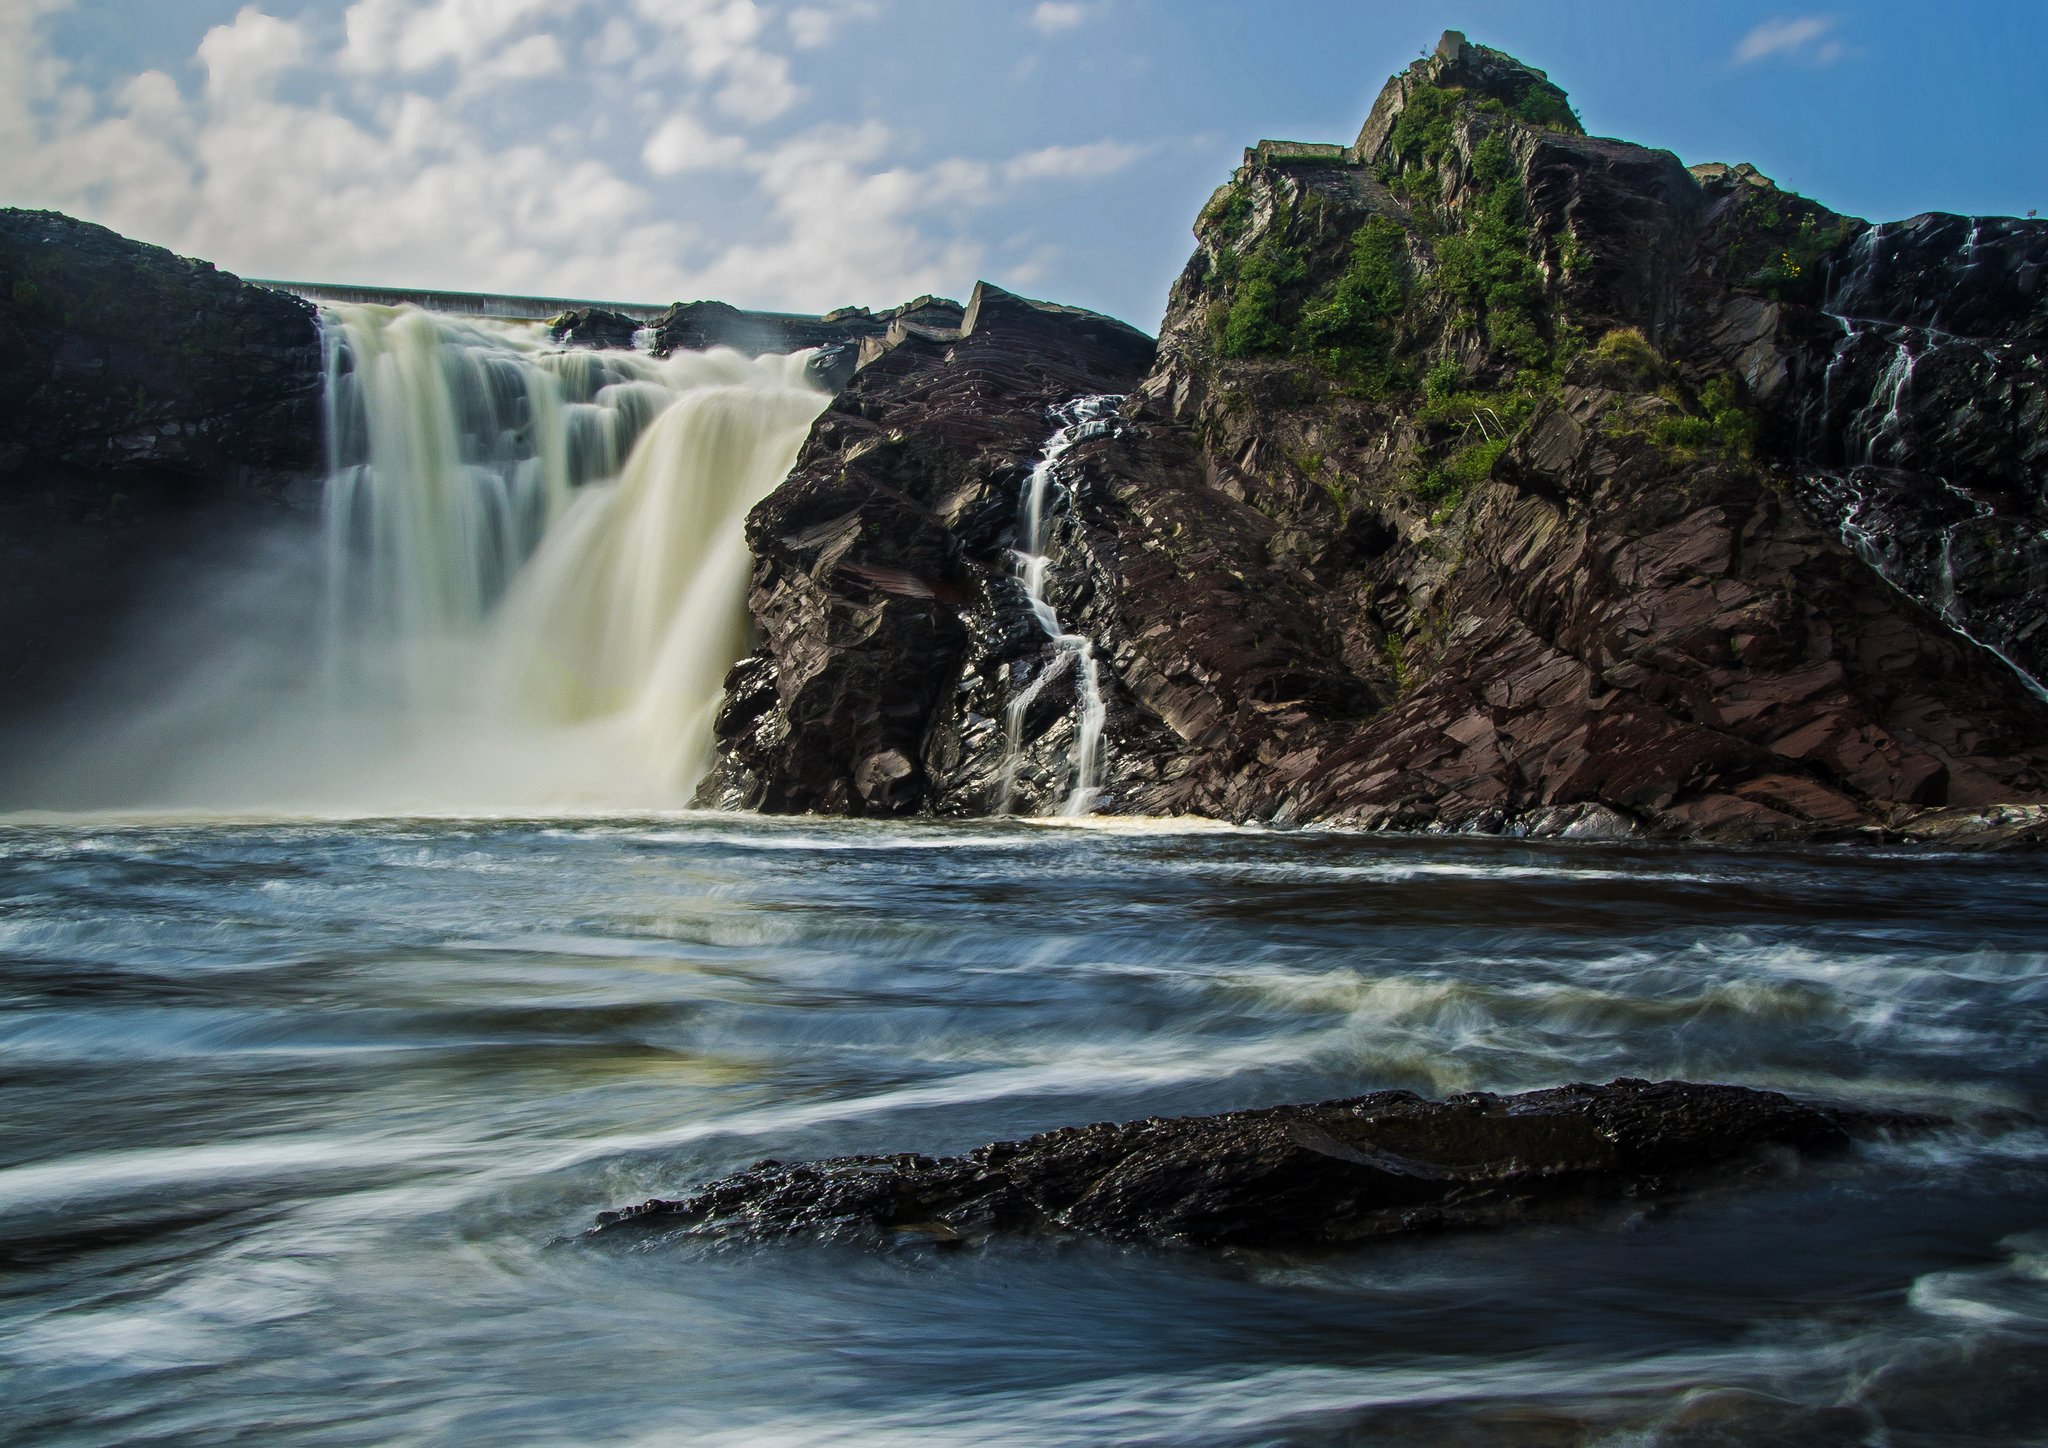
303,1121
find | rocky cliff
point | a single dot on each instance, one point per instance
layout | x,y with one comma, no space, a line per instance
138,392
1488,476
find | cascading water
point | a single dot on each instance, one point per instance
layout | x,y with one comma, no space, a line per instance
532,571
1082,418
535,556
1917,440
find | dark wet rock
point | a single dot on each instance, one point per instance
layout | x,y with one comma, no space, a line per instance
695,326
595,327
877,560
1611,543
1316,1176
141,394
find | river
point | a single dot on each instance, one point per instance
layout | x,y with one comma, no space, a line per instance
300,1122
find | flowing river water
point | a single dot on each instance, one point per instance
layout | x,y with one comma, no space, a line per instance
300,1121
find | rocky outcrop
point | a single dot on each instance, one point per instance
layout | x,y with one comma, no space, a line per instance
694,326
1924,423
1321,1176
881,575
598,328
138,391
1490,476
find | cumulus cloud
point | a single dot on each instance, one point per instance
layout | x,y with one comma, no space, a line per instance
1051,17
415,35
248,55
675,162
1806,38
683,143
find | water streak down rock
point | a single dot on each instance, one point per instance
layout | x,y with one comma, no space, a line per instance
1314,1176
1488,477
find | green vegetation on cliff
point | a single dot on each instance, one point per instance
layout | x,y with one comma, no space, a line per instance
1487,268
1348,326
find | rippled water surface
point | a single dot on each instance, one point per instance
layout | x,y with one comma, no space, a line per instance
299,1122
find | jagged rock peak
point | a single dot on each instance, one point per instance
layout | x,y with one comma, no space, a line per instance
990,305
1491,78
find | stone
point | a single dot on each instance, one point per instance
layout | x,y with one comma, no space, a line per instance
594,327
1329,1175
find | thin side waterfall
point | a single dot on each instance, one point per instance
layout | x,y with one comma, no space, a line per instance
1918,393
1082,418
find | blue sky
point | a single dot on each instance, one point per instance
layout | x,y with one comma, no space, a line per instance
808,153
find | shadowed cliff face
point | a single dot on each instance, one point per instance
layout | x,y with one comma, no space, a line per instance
139,392
1490,476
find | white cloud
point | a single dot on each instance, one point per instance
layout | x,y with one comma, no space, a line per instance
1052,17
415,35
683,143
528,59
1806,38
247,56
380,161
1095,158
813,27
721,40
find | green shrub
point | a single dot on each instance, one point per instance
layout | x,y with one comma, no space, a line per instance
1794,270
1259,318
1545,107
1422,132
1228,211
1676,430
1443,381
1734,425
1625,356
1462,471
1487,269
1350,328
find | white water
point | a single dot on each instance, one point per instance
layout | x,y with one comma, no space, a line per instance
531,582
1084,417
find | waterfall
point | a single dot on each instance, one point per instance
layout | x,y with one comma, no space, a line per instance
1083,418
536,568
526,586
1917,444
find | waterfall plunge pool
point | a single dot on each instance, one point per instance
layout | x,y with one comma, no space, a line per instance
302,1118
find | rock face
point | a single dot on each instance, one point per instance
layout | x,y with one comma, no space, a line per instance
1489,476
694,326
881,587
138,390
595,327
1318,1176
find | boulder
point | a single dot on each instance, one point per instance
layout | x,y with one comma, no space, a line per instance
594,327
1327,1175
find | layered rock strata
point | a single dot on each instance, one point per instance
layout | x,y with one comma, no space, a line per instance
1489,476
1327,1175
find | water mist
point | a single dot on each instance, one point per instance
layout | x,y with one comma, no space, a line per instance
527,586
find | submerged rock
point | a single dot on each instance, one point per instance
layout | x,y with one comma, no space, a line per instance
1323,1175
